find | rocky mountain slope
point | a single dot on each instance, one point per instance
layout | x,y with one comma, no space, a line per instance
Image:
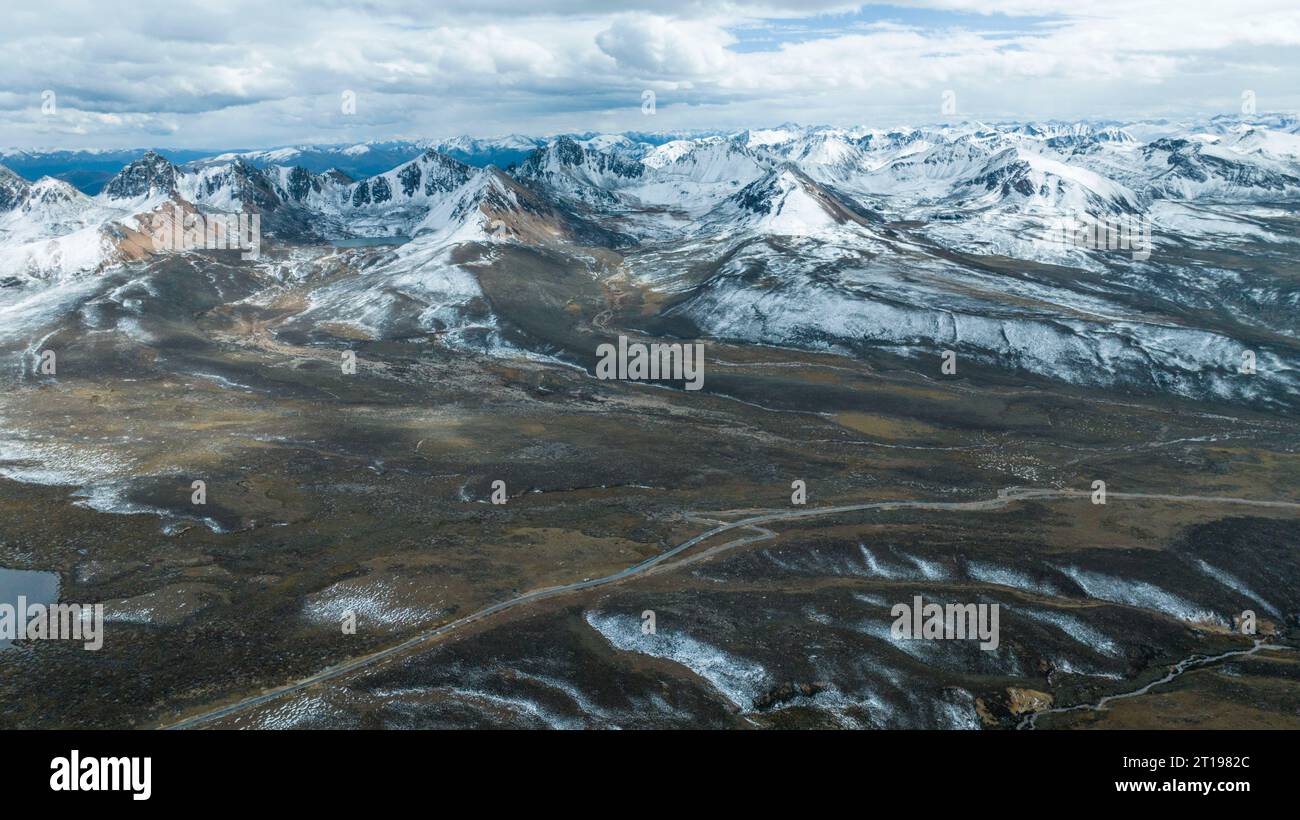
914,240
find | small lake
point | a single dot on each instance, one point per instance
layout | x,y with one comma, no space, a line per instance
36,587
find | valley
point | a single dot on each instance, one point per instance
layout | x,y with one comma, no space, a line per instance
472,303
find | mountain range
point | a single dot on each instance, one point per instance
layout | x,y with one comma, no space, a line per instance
910,240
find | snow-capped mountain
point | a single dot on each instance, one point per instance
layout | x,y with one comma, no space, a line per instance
912,166
844,239
400,198
570,170
13,189
365,159
87,170
695,175
49,228
355,160
492,206
1188,169
787,202
830,155
1028,182
54,204
951,171
151,175
1253,140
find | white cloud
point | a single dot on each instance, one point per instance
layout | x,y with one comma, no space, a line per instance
648,45
242,73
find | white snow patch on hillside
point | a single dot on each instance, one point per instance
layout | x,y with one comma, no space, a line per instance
738,679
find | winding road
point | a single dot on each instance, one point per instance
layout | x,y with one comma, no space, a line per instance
1004,498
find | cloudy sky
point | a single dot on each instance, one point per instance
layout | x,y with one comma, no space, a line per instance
236,74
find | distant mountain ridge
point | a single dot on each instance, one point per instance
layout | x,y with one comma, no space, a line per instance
658,188
90,169
838,239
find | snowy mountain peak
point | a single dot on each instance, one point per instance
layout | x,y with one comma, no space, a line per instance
571,170
49,199
787,202
151,174
1029,180
237,186
429,176
488,206
434,172
49,189
1186,168
13,189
